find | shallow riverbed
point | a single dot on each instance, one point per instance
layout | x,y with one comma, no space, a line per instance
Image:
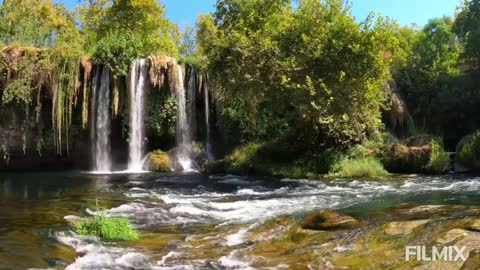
194,221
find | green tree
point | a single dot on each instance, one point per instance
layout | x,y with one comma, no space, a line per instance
145,18
467,27
117,49
310,70
188,42
92,14
34,23
433,64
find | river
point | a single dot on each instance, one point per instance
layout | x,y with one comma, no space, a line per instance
188,221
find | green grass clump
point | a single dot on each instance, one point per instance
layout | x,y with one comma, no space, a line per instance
439,160
363,167
108,228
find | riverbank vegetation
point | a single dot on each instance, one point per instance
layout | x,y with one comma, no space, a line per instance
323,92
295,89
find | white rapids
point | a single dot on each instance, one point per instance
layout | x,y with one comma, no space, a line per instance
239,206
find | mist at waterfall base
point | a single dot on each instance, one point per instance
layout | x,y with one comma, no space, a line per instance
138,81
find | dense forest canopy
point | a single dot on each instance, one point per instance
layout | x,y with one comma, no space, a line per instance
304,71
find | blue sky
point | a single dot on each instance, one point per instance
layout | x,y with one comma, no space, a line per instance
404,11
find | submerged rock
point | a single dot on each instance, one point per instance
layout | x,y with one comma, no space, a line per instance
328,220
403,227
160,162
474,225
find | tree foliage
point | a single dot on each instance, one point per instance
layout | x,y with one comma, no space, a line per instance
467,27
310,70
439,95
36,23
117,49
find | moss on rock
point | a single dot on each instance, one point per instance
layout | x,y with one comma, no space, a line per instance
403,227
468,152
159,161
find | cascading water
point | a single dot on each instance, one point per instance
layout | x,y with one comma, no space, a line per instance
93,110
101,135
138,77
184,138
208,145
191,108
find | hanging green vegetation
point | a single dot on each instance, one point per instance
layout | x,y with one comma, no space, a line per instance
87,70
161,114
65,92
5,151
31,71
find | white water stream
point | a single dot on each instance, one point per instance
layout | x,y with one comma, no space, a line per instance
101,136
138,79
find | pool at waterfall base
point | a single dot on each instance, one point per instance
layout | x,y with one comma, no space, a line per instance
196,221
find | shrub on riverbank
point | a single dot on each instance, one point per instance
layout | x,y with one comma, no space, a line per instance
276,158
364,167
439,160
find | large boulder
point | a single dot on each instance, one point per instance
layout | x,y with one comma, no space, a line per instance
468,153
159,161
400,158
196,153
327,220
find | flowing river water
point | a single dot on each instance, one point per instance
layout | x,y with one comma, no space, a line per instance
193,221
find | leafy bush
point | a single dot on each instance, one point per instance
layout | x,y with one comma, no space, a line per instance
276,158
439,160
358,167
117,50
160,118
399,158
109,228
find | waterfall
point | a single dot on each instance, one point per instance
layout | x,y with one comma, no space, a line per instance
184,139
208,145
138,77
93,110
192,86
101,135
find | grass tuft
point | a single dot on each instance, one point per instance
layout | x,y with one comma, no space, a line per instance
364,167
108,228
